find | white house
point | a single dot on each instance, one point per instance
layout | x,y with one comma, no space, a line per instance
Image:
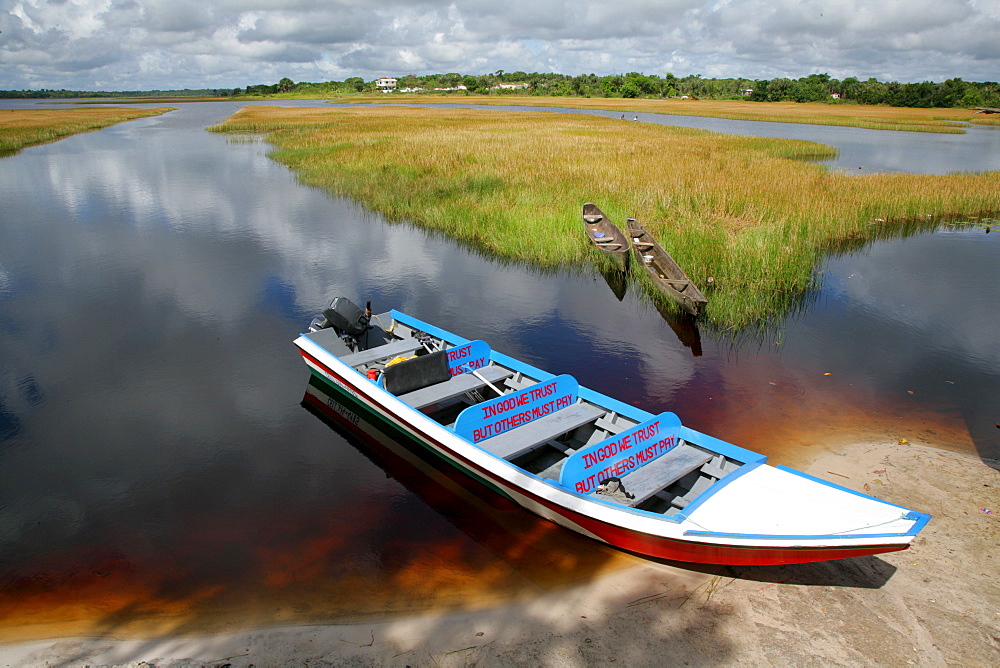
385,84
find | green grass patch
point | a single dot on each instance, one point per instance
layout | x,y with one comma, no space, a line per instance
748,212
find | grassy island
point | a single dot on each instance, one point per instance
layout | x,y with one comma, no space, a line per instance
871,117
751,213
20,128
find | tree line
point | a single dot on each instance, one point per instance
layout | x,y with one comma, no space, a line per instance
812,88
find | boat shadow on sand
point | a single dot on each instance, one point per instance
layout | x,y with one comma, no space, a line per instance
869,572
531,546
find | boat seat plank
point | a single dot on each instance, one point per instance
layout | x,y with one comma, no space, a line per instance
455,386
715,470
392,349
608,424
660,473
520,440
700,485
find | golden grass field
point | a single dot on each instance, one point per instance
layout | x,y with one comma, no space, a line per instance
20,128
746,211
852,115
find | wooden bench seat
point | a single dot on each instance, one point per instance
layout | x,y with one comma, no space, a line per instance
647,480
455,386
391,349
520,440
700,485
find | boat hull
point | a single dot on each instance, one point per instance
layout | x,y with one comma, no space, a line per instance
354,401
664,272
606,237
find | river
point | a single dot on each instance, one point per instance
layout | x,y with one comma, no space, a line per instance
158,472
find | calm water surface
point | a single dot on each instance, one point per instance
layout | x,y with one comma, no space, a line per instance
158,472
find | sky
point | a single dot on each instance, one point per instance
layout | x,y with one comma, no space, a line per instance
175,44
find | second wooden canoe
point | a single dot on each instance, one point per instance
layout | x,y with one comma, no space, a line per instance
667,275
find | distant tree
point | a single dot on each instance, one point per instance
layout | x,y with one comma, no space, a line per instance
849,88
612,86
640,84
630,89
973,98
286,85
261,89
408,81
872,92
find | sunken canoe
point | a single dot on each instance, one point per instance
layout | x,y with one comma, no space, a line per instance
641,482
606,236
667,275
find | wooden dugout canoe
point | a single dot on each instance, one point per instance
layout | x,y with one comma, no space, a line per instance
667,275
606,236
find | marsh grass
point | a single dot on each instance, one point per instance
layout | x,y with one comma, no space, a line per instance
742,210
20,128
911,119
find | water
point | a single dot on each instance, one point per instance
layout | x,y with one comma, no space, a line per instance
159,474
862,151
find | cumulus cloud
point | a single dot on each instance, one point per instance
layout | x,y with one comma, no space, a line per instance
229,43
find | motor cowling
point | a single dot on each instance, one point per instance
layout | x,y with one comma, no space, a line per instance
346,317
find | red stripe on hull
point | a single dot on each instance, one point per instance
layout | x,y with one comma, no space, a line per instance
644,544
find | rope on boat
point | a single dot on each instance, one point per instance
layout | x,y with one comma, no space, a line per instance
902,516
389,330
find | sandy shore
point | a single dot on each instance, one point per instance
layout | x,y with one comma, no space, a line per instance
937,603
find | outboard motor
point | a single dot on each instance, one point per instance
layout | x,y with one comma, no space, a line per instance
346,318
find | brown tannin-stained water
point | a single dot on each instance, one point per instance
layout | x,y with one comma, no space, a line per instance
160,471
